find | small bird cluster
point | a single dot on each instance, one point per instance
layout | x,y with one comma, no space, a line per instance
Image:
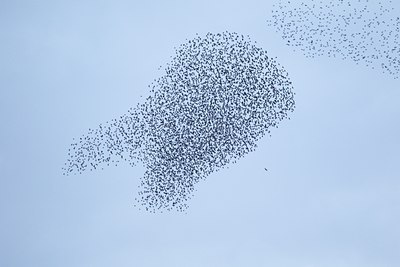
364,31
219,95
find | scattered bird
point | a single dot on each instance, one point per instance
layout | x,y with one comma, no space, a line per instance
364,31
218,96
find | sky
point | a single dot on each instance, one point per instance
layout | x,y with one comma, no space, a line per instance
330,197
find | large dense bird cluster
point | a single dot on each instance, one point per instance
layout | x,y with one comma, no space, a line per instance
364,31
219,95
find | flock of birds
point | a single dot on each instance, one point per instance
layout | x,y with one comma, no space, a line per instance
219,95
364,31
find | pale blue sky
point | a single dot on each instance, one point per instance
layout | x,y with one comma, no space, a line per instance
331,196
